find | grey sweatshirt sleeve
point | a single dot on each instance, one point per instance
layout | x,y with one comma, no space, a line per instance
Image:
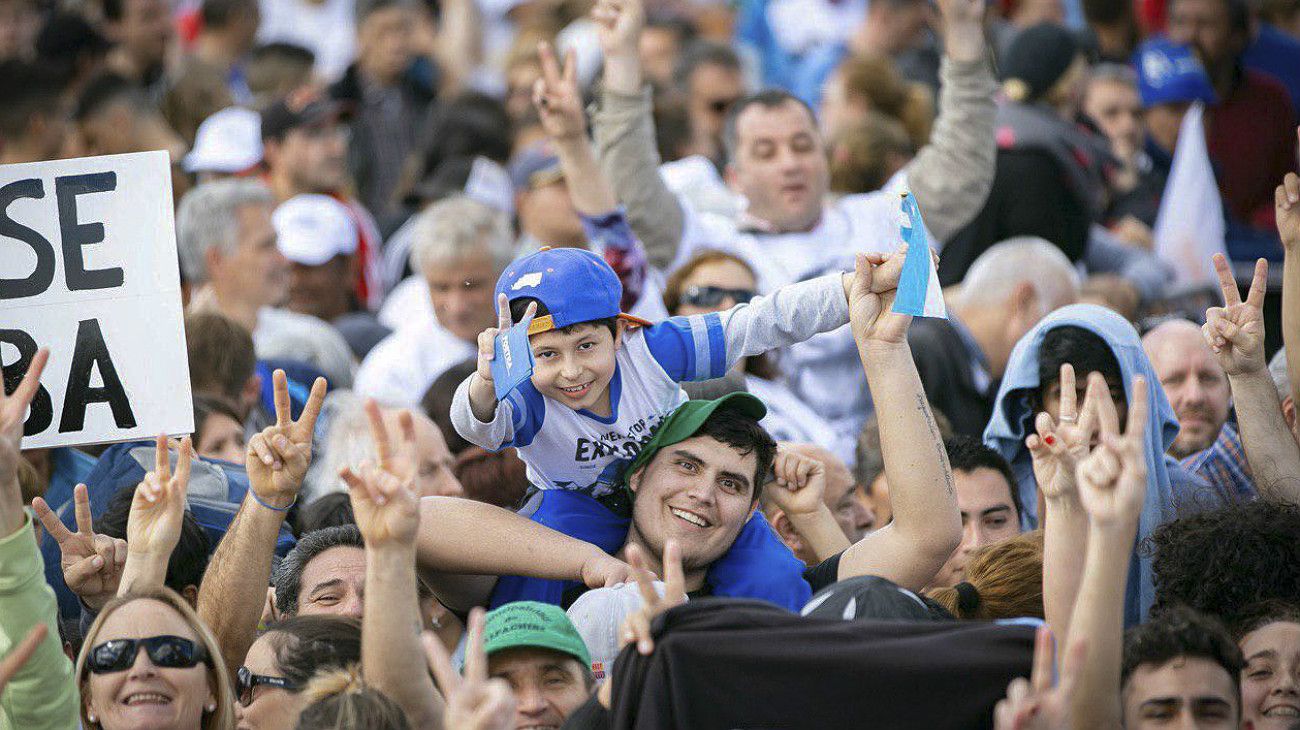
788,316
625,143
491,435
952,175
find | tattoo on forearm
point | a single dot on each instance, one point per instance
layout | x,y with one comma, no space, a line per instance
941,456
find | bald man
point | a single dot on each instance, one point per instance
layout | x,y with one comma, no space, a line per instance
853,516
1196,385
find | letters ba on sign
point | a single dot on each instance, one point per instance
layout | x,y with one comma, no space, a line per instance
88,269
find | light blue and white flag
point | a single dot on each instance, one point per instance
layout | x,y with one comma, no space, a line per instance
919,293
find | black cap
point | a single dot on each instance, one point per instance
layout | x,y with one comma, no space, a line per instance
303,107
1038,57
869,598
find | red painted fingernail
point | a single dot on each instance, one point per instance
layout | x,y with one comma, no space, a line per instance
1050,439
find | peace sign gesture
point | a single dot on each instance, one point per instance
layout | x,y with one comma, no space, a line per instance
1035,704
482,396
557,98
383,496
92,564
13,412
278,457
1113,478
637,626
474,702
1235,331
1056,448
153,526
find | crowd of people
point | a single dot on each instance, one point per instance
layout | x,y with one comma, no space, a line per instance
736,483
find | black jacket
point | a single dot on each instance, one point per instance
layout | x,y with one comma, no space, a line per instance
945,365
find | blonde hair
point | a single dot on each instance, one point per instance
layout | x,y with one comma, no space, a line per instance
340,699
223,718
1007,578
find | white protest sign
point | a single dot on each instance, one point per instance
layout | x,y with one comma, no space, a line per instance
88,269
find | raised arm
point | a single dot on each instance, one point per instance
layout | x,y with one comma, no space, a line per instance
952,175
1112,484
1286,200
153,526
233,592
1235,332
92,563
388,515
799,490
927,525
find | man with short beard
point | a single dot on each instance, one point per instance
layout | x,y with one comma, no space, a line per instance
1193,381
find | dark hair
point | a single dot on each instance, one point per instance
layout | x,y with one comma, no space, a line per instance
205,406
366,8
67,41
703,53
437,403
27,89
768,99
520,306
113,9
219,13
306,645
288,579
1225,561
494,477
105,90
869,461
681,27
221,355
330,510
188,559
1083,349
1238,14
672,126
967,453
743,433
1262,614
1181,632
275,69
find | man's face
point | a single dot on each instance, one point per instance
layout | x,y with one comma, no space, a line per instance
988,516
780,165
461,292
574,366
1163,122
334,583
435,477
1116,108
220,437
314,157
1205,24
659,50
547,213
255,271
1270,683
322,291
145,29
1194,382
1182,693
548,685
699,492
711,90
385,41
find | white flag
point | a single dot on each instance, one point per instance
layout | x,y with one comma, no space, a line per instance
1189,228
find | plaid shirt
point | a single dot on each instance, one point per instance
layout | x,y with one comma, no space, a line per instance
1223,466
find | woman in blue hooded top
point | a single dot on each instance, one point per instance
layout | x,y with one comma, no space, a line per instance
1091,339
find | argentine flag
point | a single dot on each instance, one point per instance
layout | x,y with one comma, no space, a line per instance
919,293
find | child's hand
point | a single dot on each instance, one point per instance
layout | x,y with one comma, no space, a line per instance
871,295
487,338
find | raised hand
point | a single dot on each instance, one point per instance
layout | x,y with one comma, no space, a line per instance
487,341
92,564
153,526
963,29
618,26
13,412
871,293
800,482
636,628
14,661
1057,448
278,457
1286,206
384,501
1035,704
557,98
1235,331
1113,478
474,702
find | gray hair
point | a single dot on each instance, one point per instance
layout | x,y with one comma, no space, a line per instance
288,579
1281,379
348,443
1006,265
1118,73
206,219
456,227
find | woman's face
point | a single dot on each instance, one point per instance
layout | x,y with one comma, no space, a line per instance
272,708
221,437
1270,683
721,274
146,696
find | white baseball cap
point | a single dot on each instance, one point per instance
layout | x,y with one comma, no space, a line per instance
229,141
598,615
312,229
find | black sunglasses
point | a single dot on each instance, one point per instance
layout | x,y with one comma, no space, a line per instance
246,682
712,296
171,652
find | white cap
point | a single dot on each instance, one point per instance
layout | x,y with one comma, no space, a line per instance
229,141
312,229
598,615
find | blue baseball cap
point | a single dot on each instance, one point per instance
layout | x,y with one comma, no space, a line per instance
574,284
1169,73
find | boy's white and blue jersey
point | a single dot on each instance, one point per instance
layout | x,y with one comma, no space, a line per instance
572,449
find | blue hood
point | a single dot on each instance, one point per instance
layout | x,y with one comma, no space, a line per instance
1013,418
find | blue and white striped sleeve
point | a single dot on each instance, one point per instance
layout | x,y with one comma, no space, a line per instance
689,348
516,421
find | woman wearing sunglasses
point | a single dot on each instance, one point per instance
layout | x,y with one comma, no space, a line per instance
269,686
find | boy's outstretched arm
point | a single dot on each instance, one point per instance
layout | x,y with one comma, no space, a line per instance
927,525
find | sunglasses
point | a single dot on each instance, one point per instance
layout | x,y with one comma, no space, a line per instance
171,652
246,682
712,296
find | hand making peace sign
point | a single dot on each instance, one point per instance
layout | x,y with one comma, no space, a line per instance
278,457
92,563
384,501
557,98
474,702
1235,331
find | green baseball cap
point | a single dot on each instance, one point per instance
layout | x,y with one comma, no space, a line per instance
534,625
682,423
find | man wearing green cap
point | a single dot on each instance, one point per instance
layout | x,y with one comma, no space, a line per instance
538,652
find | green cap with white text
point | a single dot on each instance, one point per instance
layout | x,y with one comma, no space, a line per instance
684,422
533,625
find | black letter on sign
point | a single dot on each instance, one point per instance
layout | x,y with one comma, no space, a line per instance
88,352
42,412
43,275
75,235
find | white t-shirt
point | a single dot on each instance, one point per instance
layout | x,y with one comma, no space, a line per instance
790,419
403,366
328,29
284,334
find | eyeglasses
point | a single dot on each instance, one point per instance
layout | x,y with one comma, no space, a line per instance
171,652
246,682
712,296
